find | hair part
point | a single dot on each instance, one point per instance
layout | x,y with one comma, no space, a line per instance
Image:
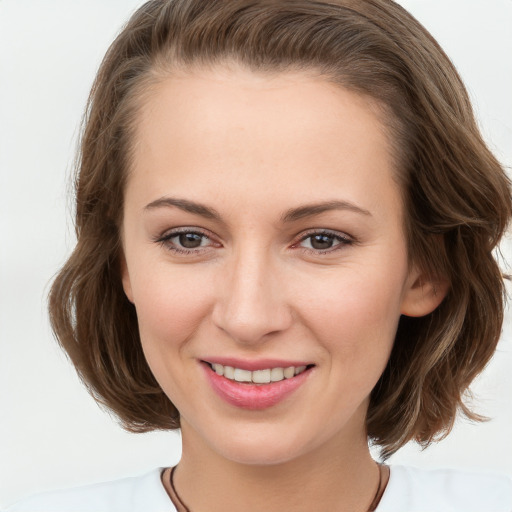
456,195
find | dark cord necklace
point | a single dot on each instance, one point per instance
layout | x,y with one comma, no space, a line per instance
184,508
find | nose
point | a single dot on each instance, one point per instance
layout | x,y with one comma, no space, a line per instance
251,302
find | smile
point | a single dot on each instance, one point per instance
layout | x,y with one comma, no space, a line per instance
264,376
258,388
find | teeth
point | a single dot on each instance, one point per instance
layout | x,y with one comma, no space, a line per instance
299,369
243,375
261,376
229,372
289,372
276,374
258,376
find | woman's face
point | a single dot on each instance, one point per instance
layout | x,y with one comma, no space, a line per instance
263,231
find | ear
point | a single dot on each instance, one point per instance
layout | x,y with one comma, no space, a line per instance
125,277
423,293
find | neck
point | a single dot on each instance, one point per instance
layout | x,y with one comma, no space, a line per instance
338,475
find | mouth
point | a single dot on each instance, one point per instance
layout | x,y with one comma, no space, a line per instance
255,389
261,376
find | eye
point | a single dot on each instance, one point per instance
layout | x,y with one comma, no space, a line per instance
185,240
189,240
324,241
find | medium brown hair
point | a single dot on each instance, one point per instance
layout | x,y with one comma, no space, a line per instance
456,195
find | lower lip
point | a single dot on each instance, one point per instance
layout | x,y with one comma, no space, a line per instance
253,396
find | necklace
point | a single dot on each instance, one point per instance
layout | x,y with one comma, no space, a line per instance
178,502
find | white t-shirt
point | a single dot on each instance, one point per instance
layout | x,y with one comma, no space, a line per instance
409,490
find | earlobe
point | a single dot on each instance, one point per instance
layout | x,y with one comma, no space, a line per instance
125,278
423,294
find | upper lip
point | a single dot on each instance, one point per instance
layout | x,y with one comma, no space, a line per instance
255,364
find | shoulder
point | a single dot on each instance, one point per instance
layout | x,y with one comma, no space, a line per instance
412,489
144,492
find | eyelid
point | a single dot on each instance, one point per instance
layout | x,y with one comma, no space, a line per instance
343,238
325,231
164,239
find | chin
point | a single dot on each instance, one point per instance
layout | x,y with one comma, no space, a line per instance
259,455
261,446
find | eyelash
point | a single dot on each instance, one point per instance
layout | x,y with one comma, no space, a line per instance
165,241
343,240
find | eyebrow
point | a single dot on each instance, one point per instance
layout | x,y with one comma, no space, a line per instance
315,209
187,206
290,215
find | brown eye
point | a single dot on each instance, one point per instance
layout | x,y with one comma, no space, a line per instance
185,241
190,240
321,242
325,242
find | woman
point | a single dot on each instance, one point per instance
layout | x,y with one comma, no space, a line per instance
285,218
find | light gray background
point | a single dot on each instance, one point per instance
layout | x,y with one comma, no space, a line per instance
51,432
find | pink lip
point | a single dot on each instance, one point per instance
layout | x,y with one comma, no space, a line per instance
252,365
253,396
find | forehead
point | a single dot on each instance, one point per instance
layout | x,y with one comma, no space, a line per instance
264,136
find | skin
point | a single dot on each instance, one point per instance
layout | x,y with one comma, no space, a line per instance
253,147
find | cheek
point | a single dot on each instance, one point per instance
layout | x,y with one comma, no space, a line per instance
171,306
171,303
354,313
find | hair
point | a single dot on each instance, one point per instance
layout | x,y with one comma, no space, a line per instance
456,196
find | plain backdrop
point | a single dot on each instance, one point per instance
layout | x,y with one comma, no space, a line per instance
52,434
